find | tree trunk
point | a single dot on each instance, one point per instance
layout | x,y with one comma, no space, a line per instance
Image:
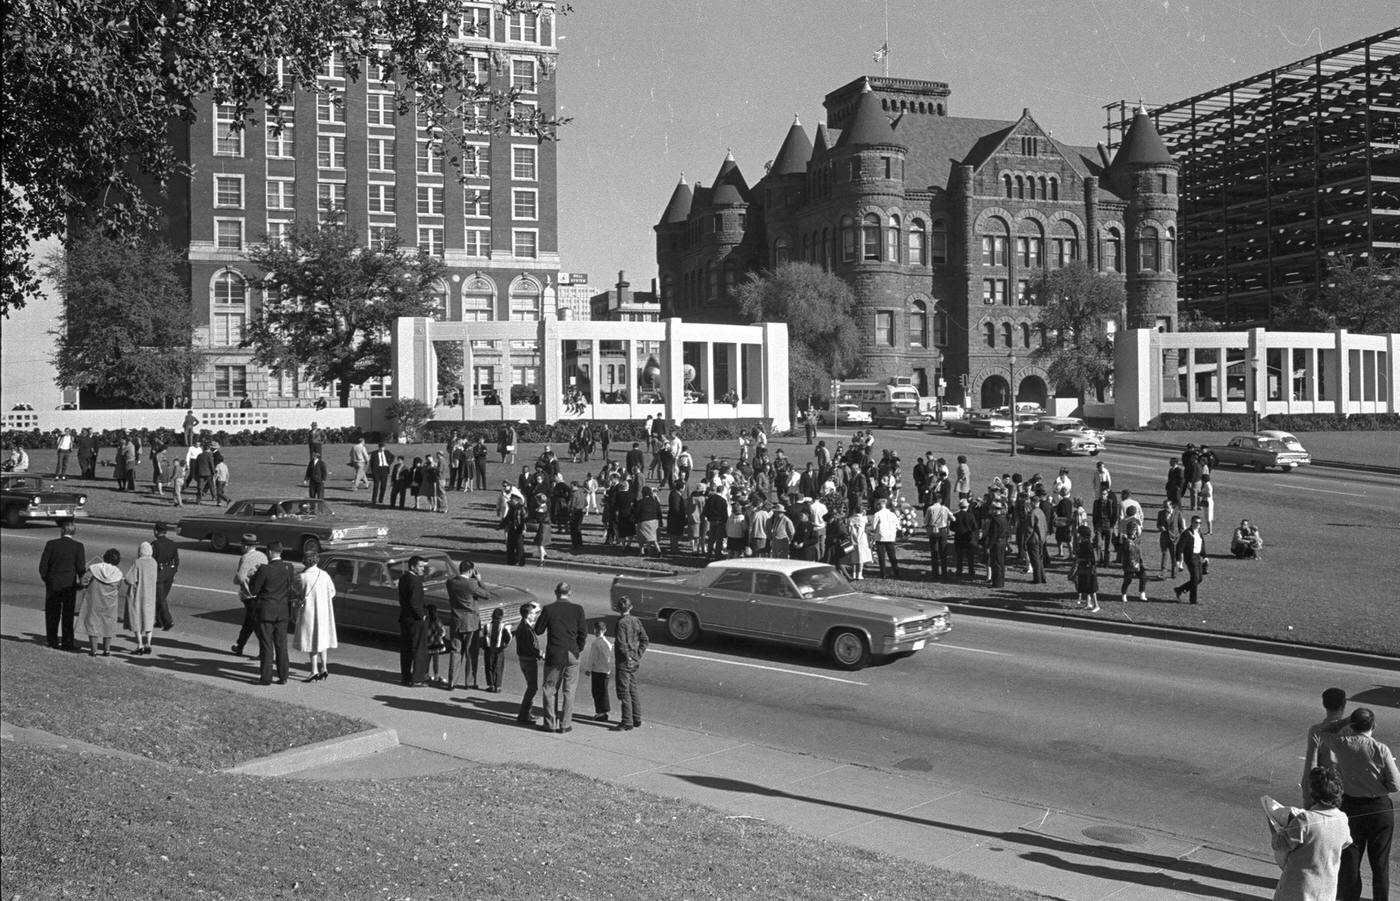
344,390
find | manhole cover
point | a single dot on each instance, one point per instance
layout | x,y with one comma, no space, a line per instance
1115,835
918,764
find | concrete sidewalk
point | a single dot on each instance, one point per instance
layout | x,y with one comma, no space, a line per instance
907,814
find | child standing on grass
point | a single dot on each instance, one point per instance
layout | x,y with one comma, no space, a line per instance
497,639
437,643
597,663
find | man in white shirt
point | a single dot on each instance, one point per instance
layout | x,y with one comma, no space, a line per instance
819,526
1191,549
885,525
1369,777
938,522
65,451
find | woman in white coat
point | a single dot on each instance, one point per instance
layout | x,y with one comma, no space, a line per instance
316,624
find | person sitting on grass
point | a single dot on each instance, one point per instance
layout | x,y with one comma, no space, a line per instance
1246,543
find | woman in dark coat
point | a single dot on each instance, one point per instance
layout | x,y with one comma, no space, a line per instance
1086,576
544,532
676,520
648,516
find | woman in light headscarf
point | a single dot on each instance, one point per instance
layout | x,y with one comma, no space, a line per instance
99,609
316,624
140,584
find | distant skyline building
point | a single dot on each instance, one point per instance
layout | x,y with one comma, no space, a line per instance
574,296
621,304
1281,172
345,147
938,223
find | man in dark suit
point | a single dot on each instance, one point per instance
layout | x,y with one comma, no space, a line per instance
380,462
167,557
413,625
61,565
1191,550
273,587
636,460
565,626
464,590
994,535
316,476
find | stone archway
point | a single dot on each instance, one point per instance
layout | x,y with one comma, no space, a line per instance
1031,389
995,392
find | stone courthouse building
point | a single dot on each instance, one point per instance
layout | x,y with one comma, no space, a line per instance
938,223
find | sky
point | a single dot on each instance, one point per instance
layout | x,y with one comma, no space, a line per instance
660,87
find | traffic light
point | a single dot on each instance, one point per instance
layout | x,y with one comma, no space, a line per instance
964,380
835,389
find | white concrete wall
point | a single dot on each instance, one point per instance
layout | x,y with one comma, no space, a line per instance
215,420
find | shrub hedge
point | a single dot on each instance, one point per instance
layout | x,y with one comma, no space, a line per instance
623,430
1298,422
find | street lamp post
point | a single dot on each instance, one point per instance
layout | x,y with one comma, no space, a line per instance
1011,403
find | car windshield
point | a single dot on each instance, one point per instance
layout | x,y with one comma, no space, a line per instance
821,582
439,568
1275,444
304,507
1291,443
25,484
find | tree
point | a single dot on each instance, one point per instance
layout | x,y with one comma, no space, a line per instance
125,328
823,335
328,303
1358,298
92,86
1076,306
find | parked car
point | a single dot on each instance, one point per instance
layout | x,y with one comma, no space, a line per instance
900,419
367,587
25,497
950,412
302,524
845,414
793,602
981,425
1269,449
1061,436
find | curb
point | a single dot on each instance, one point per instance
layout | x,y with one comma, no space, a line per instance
1163,633
333,750
25,735
1324,464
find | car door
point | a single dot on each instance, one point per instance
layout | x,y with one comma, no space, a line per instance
775,608
376,597
723,603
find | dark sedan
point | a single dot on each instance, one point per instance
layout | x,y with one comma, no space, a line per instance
25,497
302,524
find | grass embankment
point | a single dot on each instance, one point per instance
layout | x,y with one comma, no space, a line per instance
84,825
1312,554
106,701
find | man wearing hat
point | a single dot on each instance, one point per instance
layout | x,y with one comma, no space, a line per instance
248,565
167,557
964,532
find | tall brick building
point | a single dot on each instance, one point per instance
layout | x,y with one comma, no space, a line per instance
345,146
938,223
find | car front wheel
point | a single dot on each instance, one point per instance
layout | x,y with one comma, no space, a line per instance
218,541
683,627
310,545
849,650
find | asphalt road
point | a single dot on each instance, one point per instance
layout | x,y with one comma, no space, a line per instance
1173,736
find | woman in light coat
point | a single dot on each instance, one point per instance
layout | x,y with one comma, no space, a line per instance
316,624
140,585
859,525
100,608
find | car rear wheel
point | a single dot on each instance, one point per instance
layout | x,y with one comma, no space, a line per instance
1258,466
218,541
683,627
1062,449
310,545
849,650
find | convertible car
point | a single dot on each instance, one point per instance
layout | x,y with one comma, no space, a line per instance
25,497
793,602
302,524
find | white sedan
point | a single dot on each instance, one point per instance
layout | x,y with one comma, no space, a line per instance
846,414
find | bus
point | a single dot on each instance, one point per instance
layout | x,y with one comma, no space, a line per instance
894,402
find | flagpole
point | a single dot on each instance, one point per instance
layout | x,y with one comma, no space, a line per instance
885,61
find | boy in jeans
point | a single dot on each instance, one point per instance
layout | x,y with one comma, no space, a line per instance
597,663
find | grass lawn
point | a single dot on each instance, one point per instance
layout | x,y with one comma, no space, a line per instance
104,827
1277,599
109,702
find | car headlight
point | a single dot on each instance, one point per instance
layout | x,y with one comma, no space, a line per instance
382,531
82,499
337,534
35,501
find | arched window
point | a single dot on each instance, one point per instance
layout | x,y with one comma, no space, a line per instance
917,256
938,244
989,334
893,234
526,301
1030,244
711,283
994,249
1043,192
1020,188
1006,183
1066,243
230,309
780,251
940,326
870,237
1030,187
848,239
1042,336
1006,334
918,324
438,294
1147,249
1025,334
1169,251
1113,250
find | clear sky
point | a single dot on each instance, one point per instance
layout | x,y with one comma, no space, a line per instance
661,87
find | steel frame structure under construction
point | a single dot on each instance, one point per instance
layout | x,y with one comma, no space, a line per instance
1281,171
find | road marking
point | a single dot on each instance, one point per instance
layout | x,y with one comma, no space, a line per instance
1318,490
202,588
958,647
775,669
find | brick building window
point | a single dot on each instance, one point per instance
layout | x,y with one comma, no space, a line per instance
228,136
475,23
526,302
893,234
1006,334
1169,250
383,237
989,334
330,196
524,27
938,242
380,153
230,381
1066,243
278,231
522,117
917,255
381,198
522,75
330,108
477,303
1023,292
333,67
228,234
994,250
525,242
229,314
525,203
1113,250
994,291
1030,248
379,108
330,151
280,141
870,237
476,202
1147,249
940,327
430,157
524,163
848,239
430,200
281,193
430,240
228,191
918,324
884,328
1025,334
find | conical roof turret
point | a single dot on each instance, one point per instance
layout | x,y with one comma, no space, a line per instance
1142,145
796,151
821,144
679,207
869,125
729,186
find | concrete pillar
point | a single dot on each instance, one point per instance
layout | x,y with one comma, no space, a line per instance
672,361
1133,353
1256,386
1341,371
411,354
776,400
551,375
594,376
1390,371
468,381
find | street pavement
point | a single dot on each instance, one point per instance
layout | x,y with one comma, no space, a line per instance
1080,765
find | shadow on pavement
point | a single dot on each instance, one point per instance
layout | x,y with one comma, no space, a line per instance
1048,843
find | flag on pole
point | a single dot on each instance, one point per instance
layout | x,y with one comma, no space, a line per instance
879,55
